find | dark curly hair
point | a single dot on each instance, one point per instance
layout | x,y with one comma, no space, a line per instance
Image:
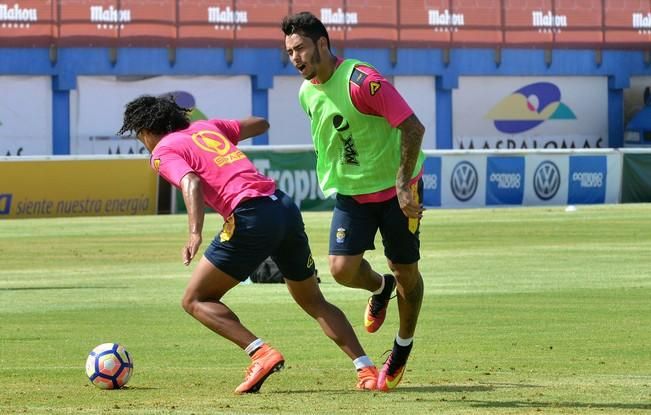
159,115
305,24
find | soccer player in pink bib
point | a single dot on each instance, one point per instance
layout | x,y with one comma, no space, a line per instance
203,161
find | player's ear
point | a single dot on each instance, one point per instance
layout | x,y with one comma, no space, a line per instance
322,43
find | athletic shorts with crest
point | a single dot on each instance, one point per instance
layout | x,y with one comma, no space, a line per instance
354,226
259,228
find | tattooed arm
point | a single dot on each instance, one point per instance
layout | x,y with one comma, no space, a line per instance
410,144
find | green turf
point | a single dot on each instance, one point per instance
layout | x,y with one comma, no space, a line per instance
527,311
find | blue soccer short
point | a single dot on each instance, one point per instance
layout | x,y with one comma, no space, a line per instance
259,228
354,226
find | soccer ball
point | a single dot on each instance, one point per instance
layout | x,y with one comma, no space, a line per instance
109,366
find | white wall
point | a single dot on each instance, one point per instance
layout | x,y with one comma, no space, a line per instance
420,94
25,115
289,124
97,105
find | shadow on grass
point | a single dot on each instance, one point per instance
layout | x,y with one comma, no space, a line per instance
484,387
406,389
85,287
538,404
136,388
443,389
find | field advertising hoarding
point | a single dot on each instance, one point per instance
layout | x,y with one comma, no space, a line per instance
59,187
458,179
381,23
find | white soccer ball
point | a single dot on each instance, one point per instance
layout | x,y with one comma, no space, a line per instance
109,366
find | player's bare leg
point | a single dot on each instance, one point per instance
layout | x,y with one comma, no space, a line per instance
410,298
308,296
202,300
355,272
335,325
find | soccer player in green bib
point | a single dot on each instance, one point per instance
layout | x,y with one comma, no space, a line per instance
368,147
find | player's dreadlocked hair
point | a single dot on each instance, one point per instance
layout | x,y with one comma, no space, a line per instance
305,24
160,115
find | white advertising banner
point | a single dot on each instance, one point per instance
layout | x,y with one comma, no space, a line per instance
25,115
463,181
97,106
530,112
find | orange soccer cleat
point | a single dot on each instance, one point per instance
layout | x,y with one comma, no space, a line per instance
367,378
265,361
393,368
376,309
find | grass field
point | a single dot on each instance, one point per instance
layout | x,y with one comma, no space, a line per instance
526,311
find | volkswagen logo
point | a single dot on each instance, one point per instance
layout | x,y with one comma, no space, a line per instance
464,181
546,180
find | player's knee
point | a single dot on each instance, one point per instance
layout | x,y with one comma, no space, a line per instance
188,302
408,276
341,272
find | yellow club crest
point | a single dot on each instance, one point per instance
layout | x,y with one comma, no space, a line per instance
374,86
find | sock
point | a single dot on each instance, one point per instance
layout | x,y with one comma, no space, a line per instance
404,342
362,362
379,290
401,351
254,346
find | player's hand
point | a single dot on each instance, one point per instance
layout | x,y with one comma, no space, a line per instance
191,247
408,204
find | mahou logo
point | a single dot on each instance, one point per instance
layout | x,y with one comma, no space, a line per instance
17,17
642,23
226,18
336,19
548,22
445,21
109,18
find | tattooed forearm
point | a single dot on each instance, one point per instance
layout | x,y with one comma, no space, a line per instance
412,139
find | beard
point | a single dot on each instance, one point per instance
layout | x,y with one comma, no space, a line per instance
316,59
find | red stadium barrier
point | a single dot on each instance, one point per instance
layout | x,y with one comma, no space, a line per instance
420,25
523,25
482,22
628,22
117,22
378,23
28,23
580,22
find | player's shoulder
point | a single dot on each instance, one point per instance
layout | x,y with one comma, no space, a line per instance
363,73
367,78
170,143
199,125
